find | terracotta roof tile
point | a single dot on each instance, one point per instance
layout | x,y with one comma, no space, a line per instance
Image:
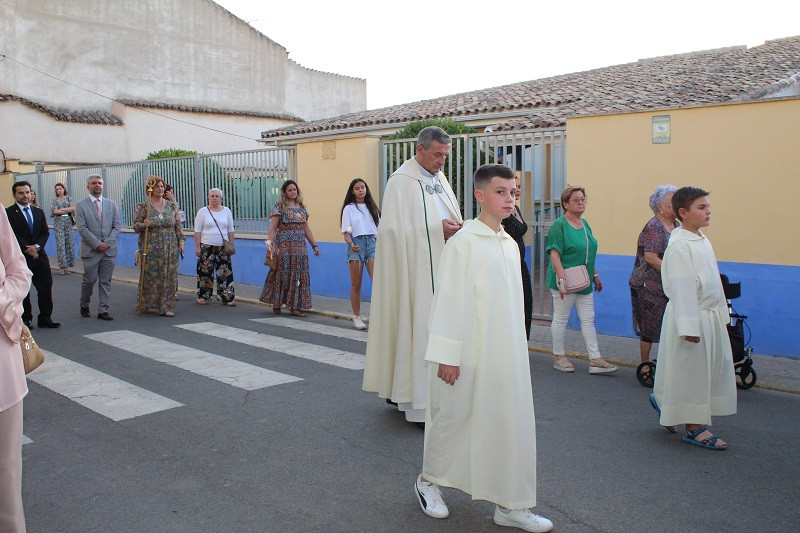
696,78
202,109
68,115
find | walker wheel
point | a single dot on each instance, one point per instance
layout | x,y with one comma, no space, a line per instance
646,373
747,377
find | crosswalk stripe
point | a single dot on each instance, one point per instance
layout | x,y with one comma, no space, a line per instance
103,394
26,440
229,371
333,331
313,352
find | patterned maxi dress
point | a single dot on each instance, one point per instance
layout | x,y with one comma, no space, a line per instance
65,240
647,295
160,274
517,230
289,283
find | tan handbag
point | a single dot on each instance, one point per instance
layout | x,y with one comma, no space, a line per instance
32,356
227,246
577,277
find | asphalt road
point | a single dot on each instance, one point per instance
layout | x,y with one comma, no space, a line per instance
321,455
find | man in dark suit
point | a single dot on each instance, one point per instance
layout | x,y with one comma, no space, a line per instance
30,228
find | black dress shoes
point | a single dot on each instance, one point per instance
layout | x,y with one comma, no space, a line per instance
28,323
49,324
84,312
104,316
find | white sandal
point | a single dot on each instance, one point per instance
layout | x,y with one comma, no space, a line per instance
603,368
562,364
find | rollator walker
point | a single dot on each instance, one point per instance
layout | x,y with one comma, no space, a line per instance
740,349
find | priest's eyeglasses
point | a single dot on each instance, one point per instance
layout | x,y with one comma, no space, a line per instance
438,188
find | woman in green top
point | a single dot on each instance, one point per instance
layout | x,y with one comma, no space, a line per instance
567,242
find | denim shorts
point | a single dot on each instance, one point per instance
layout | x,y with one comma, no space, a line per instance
367,244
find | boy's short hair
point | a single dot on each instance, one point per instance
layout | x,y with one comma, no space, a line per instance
685,197
486,172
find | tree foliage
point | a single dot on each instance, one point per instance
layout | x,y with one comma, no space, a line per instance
450,126
170,152
459,168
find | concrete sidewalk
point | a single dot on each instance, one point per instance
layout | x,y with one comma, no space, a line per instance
773,372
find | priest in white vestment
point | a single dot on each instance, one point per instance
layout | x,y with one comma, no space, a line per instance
695,377
480,433
419,212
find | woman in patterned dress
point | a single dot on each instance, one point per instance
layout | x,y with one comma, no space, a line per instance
159,275
516,226
62,209
647,295
289,282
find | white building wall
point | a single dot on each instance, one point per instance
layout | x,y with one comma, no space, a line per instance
31,135
306,88
189,52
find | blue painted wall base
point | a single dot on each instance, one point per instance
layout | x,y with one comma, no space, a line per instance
330,275
768,299
768,291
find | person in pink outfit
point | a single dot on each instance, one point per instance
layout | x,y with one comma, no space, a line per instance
15,282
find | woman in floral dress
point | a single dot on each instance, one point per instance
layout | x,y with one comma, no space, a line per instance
647,294
289,282
159,277
62,210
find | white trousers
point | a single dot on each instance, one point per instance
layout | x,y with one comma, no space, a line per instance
584,305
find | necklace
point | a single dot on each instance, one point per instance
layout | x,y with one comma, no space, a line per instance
157,210
577,224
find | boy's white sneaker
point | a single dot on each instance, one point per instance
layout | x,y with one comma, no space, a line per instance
522,519
430,498
358,322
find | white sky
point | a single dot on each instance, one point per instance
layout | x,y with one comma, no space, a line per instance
456,46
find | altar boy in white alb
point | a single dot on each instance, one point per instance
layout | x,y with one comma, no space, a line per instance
695,378
480,434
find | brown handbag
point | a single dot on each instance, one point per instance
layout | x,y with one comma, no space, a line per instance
271,260
32,356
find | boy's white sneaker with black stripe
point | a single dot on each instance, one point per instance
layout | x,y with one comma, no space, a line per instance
523,519
430,498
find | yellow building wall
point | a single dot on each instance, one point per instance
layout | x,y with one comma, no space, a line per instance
7,179
325,169
746,155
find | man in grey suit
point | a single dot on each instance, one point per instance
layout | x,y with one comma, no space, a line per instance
98,225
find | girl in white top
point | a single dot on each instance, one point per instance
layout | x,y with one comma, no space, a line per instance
211,225
360,216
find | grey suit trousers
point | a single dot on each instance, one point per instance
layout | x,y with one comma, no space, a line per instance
97,266
12,516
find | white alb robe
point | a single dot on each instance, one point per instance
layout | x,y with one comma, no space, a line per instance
480,434
693,381
408,250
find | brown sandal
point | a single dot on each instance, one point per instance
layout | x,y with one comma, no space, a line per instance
276,310
201,301
297,312
230,304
